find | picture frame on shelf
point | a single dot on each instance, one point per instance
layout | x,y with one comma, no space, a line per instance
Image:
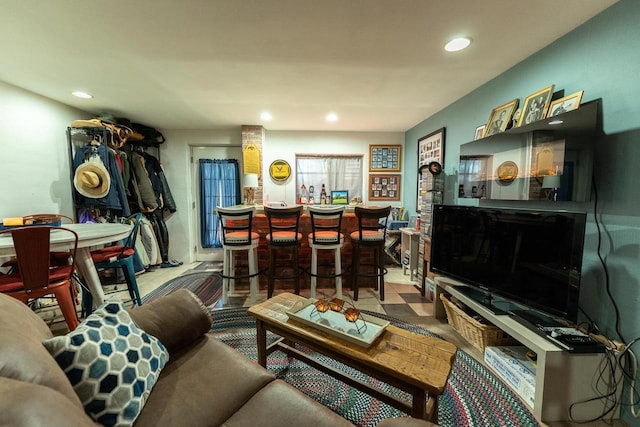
500,117
535,106
430,149
565,104
384,187
385,158
479,132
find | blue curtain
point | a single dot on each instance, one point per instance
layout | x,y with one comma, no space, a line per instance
219,187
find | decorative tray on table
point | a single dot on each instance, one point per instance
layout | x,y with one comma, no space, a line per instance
335,318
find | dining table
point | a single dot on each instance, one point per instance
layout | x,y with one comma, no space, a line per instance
89,235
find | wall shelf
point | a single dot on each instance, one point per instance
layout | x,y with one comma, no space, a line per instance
537,150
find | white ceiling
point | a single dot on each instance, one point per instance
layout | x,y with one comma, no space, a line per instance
204,64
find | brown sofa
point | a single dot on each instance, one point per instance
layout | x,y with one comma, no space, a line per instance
205,382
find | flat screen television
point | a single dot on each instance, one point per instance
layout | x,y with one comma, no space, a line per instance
532,257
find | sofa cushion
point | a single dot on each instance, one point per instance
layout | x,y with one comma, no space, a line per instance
27,405
177,319
111,364
203,384
280,404
22,356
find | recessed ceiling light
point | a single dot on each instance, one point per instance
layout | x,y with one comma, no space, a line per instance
457,44
265,116
556,122
81,94
332,117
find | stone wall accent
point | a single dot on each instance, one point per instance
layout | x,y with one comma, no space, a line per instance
253,134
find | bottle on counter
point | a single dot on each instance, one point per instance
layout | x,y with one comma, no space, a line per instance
311,195
323,195
302,199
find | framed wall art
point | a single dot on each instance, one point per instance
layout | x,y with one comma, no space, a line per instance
500,117
385,158
535,106
563,105
431,148
384,187
430,153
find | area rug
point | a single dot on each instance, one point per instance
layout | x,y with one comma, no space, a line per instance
207,285
207,265
473,397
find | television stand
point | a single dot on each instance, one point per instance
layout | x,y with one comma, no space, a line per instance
496,305
562,378
535,319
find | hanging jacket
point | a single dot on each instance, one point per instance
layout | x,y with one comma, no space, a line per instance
148,238
116,198
152,165
147,195
161,233
159,182
167,197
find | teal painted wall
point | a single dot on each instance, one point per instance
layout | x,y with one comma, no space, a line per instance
601,57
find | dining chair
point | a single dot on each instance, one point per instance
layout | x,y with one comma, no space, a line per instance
117,256
370,235
325,235
35,277
236,225
57,258
283,236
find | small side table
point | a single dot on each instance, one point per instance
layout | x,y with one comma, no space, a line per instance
410,250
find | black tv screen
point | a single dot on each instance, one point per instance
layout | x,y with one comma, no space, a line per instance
532,257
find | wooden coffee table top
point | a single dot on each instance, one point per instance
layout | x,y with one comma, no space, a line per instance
420,360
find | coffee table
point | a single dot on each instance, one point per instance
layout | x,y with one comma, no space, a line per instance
417,364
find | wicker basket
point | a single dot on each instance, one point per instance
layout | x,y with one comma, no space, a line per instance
478,334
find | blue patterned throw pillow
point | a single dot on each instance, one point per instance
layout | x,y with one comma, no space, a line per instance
111,363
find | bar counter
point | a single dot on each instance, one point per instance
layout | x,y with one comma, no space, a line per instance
325,258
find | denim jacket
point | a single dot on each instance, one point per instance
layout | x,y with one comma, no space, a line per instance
117,197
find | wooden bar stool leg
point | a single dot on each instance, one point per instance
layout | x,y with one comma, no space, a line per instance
380,270
272,272
356,271
253,270
338,272
296,271
225,273
232,271
314,271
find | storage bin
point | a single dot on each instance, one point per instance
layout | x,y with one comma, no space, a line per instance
478,334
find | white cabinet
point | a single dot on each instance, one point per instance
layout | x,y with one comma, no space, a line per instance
410,251
562,378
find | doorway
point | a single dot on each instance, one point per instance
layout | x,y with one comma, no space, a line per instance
209,152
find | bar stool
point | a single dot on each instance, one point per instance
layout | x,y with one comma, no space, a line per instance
236,225
284,224
371,234
325,235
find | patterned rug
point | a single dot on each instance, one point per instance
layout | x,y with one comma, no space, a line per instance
206,284
473,397
207,265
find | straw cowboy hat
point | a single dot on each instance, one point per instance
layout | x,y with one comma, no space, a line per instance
92,179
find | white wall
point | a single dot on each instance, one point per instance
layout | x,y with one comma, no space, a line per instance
35,172
176,152
34,164
175,156
285,145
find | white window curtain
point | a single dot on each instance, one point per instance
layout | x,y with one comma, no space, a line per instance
335,172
